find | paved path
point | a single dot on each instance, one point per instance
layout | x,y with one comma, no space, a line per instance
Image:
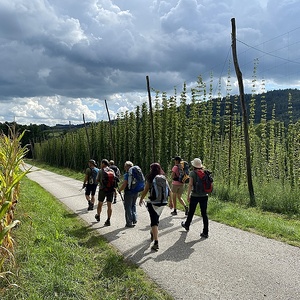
230,264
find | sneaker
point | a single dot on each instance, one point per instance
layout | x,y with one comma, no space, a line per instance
115,201
97,217
91,206
155,247
186,210
203,235
107,223
174,213
184,226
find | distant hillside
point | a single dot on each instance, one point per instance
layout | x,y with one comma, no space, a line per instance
279,98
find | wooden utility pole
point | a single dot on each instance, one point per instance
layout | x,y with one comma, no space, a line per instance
87,137
110,130
230,141
244,113
151,116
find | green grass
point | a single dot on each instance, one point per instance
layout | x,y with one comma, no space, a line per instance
271,225
61,257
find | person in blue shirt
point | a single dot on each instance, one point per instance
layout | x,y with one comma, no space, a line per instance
131,187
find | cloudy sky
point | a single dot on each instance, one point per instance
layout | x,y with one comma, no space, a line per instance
61,59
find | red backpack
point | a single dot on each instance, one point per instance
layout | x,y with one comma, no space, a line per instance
108,180
204,181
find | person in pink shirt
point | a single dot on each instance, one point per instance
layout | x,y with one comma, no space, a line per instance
177,187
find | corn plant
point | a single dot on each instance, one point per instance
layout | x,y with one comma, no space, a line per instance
11,173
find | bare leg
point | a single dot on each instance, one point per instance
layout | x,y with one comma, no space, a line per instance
154,230
109,210
99,208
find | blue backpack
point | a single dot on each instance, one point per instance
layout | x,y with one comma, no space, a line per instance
93,176
136,179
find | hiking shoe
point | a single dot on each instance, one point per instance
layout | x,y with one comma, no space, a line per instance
203,235
155,247
129,225
174,213
97,217
107,223
186,210
184,226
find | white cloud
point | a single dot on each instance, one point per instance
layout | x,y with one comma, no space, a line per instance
60,59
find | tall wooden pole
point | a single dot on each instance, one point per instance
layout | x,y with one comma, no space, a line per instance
244,113
110,130
230,141
87,137
151,116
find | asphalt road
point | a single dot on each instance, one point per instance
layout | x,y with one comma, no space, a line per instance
230,264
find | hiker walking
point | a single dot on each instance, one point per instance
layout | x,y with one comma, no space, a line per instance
106,179
177,186
159,193
133,183
197,193
90,183
118,174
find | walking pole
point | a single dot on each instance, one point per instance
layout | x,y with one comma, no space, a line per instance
121,195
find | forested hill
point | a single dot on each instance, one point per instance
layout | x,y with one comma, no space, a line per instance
277,98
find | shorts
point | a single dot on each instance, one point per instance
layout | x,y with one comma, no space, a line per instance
177,189
91,189
108,195
154,217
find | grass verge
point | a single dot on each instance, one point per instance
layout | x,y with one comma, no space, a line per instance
60,257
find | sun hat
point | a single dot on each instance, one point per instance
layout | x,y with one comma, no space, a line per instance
197,163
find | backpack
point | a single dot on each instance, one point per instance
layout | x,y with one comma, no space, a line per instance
117,172
183,172
159,190
204,182
108,180
93,176
136,179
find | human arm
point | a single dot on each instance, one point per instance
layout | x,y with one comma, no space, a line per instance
123,186
144,193
86,179
190,187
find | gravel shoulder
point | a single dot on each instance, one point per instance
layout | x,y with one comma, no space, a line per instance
230,264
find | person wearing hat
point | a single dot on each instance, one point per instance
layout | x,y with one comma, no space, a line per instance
177,187
194,198
90,183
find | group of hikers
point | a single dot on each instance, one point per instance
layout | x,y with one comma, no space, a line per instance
155,185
